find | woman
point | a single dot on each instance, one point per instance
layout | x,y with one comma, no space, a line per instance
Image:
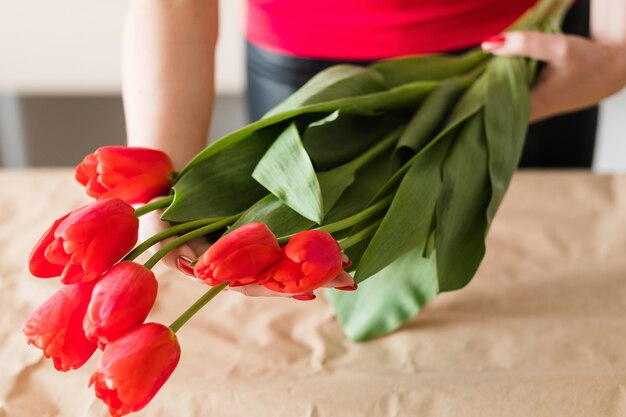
168,64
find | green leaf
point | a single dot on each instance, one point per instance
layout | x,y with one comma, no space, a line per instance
284,221
367,180
429,118
506,122
341,137
281,219
405,98
336,82
388,299
399,71
222,185
461,208
407,224
287,172
470,103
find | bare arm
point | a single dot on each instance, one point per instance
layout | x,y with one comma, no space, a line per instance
167,71
168,55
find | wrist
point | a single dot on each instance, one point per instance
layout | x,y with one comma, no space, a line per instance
616,59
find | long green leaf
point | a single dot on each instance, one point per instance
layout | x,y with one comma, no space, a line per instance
506,122
337,82
388,299
340,137
281,219
407,224
405,97
367,180
429,119
287,172
222,185
461,208
469,104
399,71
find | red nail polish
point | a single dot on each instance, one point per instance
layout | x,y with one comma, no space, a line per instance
304,297
183,264
348,288
493,42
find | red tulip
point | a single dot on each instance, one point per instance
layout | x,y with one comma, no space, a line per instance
121,300
312,259
239,257
134,367
56,327
135,175
86,242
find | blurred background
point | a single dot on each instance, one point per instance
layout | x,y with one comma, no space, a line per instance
60,83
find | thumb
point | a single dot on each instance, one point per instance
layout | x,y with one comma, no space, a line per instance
540,46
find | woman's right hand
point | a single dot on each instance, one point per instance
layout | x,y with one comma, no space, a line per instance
179,258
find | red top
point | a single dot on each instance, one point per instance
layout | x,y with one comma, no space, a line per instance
374,29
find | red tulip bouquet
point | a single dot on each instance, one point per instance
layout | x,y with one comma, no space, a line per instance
387,176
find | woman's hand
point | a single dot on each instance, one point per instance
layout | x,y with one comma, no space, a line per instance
180,258
343,282
579,72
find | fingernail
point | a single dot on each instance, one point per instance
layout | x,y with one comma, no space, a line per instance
183,263
348,288
304,297
492,42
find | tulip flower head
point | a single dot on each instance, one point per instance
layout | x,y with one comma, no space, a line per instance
239,257
56,327
135,175
133,368
121,300
311,259
80,246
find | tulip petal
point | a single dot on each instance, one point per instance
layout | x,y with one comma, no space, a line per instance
247,261
115,238
56,327
140,189
38,265
122,299
133,368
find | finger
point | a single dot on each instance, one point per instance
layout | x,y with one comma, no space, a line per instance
199,246
256,290
171,260
179,258
546,47
344,281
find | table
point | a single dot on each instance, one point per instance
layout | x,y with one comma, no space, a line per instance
540,331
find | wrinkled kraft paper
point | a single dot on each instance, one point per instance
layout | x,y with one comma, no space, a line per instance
541,331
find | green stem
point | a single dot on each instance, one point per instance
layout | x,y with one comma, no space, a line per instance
187,237
171,231
195,307
359,236
357,218
348,221
367,156
157,204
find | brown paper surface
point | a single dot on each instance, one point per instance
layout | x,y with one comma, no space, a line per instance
540,331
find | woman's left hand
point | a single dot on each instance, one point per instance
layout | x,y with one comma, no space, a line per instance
578,73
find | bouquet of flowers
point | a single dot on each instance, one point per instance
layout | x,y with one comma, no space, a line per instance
385,176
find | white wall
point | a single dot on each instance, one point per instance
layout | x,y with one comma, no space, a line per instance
72,47
611,149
